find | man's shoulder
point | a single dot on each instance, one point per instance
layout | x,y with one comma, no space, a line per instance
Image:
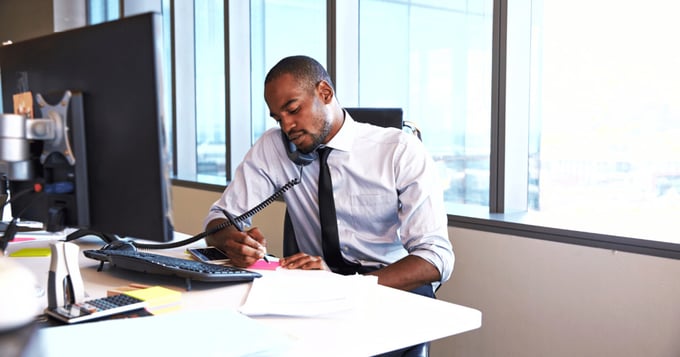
268,144
270,138
271,133
383,135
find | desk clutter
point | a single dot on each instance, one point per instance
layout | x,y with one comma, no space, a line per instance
134,300
282,313
66,296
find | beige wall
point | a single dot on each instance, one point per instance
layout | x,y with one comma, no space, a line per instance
538,298
541,298
24,19
190,207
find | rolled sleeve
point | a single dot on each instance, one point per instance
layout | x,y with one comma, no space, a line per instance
442,257
213,214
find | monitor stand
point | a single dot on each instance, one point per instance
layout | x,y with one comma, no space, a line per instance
106,237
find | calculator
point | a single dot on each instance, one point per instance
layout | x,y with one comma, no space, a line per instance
96,308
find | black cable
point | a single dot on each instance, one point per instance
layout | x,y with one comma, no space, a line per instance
37,187
11,229
223,225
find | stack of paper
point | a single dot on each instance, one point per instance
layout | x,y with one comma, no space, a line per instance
304,293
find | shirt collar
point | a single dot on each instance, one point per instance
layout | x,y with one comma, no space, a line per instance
344,138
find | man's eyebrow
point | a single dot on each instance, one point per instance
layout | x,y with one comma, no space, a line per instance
283,107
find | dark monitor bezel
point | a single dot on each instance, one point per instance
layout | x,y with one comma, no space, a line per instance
117,67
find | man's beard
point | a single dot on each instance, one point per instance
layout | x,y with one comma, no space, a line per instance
318,139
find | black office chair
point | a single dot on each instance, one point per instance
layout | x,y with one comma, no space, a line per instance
385,117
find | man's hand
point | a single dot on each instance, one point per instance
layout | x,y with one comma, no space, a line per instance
303,261
243,248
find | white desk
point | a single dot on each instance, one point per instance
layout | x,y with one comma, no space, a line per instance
386,320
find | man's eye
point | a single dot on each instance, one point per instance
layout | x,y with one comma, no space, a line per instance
294,111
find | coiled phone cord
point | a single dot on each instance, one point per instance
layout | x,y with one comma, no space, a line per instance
223,225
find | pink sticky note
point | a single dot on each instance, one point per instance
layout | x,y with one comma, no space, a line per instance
22,239
262,265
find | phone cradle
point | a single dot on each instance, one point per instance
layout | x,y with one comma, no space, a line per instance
65,284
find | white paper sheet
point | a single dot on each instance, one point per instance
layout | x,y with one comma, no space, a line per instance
304,293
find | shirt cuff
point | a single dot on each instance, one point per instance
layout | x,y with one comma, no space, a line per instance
213,214
442,264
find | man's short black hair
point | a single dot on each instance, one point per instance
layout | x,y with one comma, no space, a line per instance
306,70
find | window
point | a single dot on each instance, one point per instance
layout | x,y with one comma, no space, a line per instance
210,90
281,28
99,11
600,102
255,43
433,59
541,115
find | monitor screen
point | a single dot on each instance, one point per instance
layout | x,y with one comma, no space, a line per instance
114,70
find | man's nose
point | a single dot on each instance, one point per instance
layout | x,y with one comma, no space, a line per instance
286,123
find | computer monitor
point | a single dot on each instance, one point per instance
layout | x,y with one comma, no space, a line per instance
117,68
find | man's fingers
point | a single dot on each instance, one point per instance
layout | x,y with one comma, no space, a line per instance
303,261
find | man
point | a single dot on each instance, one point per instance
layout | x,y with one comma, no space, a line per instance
391,220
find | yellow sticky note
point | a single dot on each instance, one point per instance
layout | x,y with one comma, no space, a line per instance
156,296
32,252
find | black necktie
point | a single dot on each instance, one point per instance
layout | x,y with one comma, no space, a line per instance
329,221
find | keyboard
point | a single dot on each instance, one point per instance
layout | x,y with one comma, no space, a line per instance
151,263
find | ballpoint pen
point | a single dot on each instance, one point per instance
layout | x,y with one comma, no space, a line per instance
240,229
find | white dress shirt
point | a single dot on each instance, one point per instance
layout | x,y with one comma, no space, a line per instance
388,197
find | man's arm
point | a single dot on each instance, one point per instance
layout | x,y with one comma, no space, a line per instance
407,273
424,224
243,248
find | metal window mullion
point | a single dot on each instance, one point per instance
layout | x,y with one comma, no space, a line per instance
227,96
331,39
498,71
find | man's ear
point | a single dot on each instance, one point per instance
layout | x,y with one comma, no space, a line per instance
325,91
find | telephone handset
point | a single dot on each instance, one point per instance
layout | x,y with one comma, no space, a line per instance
299,158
